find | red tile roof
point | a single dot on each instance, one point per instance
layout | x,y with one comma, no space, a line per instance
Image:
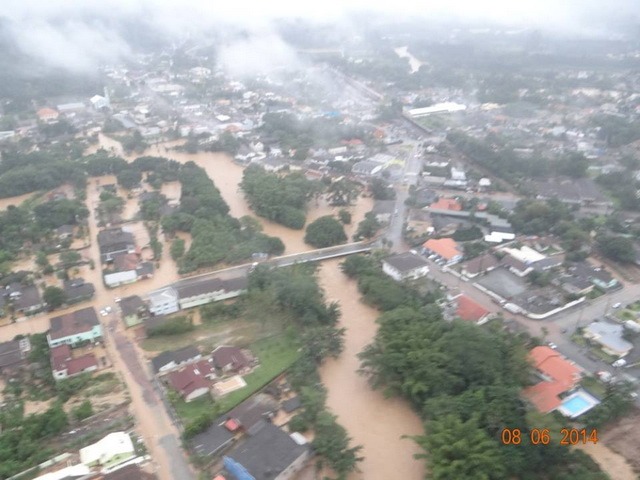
59,356
562,376
80,364
470,310
447,204
225,356
446,248
191,377
124,262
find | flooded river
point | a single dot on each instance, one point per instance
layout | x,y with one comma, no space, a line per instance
373,421
414,63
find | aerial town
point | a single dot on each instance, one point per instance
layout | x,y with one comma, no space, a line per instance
373,254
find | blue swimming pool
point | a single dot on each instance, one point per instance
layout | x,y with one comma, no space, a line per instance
578,403
575,405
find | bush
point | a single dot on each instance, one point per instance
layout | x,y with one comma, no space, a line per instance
173,326
82,411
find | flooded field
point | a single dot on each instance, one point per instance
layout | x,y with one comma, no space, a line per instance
6,202
373,421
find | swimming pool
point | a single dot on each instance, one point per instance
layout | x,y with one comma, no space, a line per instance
577,403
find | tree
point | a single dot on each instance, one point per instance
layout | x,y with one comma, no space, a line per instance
342,192
458,449
129,178
325,232
380,190
344,216
617,248
368,227
177,248
54,297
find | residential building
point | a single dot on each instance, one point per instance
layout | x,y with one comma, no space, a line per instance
64,231
231,360
114,241
13,354
210,290
174,358
25,299
479,265
450,204
77,290
47,114
610,337
124,270
128,472
445,249
557,377
74,328
252,414
134,310
163,301
112,450
383,210
270,454
405,266
63,365
214,440
471,311
193,380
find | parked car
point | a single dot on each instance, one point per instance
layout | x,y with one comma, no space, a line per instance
552,345
621,362
616,305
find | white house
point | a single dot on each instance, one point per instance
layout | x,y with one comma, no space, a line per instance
405,266
210,290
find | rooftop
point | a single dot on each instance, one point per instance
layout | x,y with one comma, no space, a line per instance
131,305
470,310
446,248
268,453
406,262
73,323
178,356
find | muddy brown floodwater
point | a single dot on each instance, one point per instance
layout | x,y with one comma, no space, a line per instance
227,175
373,421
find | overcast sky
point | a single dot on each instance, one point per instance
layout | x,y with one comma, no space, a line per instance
76,33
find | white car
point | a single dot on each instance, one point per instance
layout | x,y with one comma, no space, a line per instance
117,299
103,312
621,362
616,305
107,309
552,345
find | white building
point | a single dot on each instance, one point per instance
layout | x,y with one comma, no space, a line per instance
445,107
163,301
405,266
112,450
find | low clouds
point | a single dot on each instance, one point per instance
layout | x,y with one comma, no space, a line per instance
83,35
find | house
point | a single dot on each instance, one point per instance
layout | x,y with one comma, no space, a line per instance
13,354
450,204
163,301
124,270
63,365
24,298
405,266
134,310
446,249
114,241
70,472
481,264
471,311
193,380
419,223
174,358
145,270
64,231
517,267
128,472
47,114
270,454
603,279
557,377
74,328
112,450
366,168
214,439
252,414
292,404
77,290
609,336
230,360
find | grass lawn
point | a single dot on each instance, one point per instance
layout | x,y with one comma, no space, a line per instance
627,315
594,386
635,306
276,354
578,339
192,410
595,293
605,357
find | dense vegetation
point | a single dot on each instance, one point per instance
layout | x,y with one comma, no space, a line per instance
325,232
277,198
465,382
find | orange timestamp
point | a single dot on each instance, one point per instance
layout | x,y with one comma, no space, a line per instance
542,436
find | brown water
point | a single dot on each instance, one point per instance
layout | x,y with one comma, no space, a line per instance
6,202
373,421
227,175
